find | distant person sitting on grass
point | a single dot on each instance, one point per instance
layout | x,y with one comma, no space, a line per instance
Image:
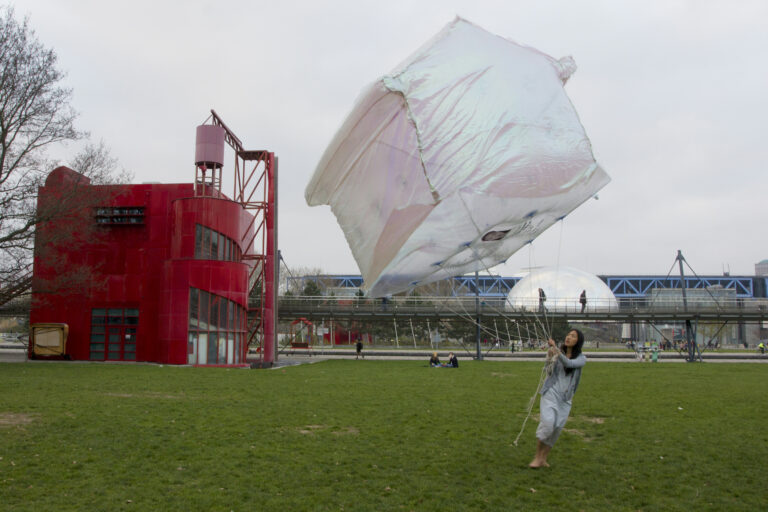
557,393
453,362
434,360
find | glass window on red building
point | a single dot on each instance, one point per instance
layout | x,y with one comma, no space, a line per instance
113,334
216,332
212,245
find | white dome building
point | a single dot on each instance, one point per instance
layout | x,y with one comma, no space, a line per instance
562,288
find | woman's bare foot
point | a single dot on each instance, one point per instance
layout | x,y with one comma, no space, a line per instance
540,460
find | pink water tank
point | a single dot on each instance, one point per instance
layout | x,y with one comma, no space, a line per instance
209,146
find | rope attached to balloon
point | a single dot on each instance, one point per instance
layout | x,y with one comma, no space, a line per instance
546,326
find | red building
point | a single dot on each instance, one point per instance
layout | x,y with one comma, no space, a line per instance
159,273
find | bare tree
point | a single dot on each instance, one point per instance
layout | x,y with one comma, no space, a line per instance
292,282
65,214
35,115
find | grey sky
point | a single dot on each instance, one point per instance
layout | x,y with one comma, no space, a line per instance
671,93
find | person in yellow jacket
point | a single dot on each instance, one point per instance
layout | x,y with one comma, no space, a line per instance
761,346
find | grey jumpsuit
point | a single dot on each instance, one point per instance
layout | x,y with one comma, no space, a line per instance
556,398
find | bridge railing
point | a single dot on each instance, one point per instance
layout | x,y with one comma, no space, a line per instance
468,305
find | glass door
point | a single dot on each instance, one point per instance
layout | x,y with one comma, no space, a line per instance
114,344
113,334
129,344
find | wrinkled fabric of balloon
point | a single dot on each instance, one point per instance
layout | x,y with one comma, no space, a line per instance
464,153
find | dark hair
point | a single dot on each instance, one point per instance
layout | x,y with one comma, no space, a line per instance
576,350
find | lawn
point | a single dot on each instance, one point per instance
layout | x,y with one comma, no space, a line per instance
378,435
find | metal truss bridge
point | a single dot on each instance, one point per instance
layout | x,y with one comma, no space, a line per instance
629,310
623,287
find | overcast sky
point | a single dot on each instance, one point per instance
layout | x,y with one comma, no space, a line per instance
671,93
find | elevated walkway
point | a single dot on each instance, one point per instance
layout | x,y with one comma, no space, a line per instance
315,308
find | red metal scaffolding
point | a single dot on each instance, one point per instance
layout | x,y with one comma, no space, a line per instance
255,188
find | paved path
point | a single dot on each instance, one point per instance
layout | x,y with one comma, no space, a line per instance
12,355
17,354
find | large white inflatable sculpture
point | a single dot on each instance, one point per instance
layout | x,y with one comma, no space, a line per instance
562,287
460,156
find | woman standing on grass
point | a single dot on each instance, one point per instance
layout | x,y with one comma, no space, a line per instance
557,393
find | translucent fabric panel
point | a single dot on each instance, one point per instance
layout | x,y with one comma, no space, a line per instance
454,160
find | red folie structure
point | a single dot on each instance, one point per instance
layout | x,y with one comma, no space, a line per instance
163,272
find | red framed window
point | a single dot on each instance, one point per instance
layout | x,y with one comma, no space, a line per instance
212,245
113,334
216,332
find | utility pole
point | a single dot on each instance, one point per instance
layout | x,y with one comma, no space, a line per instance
479,355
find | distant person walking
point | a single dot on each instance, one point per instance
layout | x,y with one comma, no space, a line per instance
583,300
557,393
761,346
359,347
542,300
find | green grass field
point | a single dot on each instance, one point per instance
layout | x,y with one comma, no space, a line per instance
378,435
